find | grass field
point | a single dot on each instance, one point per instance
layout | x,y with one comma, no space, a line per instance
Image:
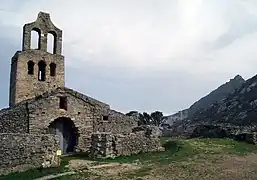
207,159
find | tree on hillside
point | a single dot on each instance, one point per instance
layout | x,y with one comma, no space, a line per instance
132,113
147,119
139,116
143,118
157,118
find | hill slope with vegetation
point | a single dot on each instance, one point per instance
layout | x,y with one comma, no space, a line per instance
216,95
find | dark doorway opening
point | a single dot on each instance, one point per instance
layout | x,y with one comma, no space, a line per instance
67,133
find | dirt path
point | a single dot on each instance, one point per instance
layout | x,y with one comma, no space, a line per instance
55,176
204,167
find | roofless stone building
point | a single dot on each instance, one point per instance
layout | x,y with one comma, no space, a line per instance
44,116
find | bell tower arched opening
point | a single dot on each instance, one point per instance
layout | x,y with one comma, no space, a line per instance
35,39
52,42
41,71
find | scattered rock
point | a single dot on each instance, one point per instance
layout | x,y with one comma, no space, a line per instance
79,164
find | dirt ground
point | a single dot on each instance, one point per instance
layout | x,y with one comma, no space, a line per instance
217,168
213,167
192,159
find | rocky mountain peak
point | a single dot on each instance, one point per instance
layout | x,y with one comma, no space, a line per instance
238,78
216,95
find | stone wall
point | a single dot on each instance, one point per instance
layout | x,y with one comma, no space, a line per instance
24,86
116,123
44,111
88,115
167,132
112,145
22,151
238,133
14,120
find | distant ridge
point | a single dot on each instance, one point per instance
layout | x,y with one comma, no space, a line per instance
238,108
216,95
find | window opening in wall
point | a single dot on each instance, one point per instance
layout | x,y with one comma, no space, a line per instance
35,39
63,103
51,42
52,69
41,71
31,67
105,118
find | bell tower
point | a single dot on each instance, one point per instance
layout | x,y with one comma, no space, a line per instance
35,71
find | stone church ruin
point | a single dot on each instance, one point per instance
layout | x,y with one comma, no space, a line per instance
44,116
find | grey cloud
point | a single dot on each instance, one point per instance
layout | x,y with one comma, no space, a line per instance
167,91
234,34
243,25
124,89
8,48
6,52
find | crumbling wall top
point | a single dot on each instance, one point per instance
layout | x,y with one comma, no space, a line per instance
43,25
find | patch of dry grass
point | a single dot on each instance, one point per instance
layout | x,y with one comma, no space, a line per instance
194,159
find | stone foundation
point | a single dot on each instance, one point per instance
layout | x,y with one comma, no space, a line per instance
19,152
106,145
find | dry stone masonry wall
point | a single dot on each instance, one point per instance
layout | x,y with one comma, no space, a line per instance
88,115
14,120
111,145
25,86
19,151
116,123
46,110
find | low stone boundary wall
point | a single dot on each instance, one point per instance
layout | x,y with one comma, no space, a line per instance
249,137
112,145
225,131
21,151
167,133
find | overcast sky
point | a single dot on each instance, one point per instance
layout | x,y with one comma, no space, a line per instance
141,55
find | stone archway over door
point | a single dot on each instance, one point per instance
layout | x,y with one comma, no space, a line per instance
65,129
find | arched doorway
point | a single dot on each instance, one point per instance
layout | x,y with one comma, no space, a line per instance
65,129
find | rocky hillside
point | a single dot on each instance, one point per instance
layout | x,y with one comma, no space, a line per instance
216,95
179,116
234,116
238,108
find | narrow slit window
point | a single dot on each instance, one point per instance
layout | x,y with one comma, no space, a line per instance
41,71
52,69
105,118
63,103
31,67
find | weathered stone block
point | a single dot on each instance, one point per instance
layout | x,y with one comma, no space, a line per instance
27,149
120,144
